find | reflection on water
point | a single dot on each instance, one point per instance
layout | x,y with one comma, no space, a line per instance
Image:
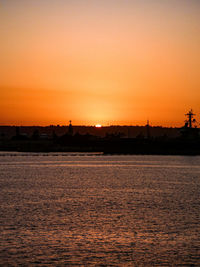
82,209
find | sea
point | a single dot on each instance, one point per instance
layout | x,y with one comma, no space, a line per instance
90,209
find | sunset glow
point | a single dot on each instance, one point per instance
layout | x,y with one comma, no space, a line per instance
98,125
117,62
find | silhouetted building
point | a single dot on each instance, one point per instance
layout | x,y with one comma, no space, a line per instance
35,135
17,131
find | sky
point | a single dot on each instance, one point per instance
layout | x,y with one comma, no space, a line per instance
109,62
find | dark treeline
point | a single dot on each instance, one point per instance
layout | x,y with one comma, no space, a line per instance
112,139
126,131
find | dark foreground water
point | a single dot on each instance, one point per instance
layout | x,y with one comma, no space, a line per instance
72,209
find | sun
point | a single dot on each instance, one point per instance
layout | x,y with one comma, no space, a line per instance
98,125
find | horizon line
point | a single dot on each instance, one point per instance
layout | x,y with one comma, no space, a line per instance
94,126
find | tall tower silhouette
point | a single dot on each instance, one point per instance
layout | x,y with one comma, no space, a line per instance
70,129
148,129
190,119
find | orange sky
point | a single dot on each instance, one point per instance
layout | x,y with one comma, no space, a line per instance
107,62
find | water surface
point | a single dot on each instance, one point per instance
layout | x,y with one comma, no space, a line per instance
89,209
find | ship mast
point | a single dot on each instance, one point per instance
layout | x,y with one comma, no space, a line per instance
190,119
